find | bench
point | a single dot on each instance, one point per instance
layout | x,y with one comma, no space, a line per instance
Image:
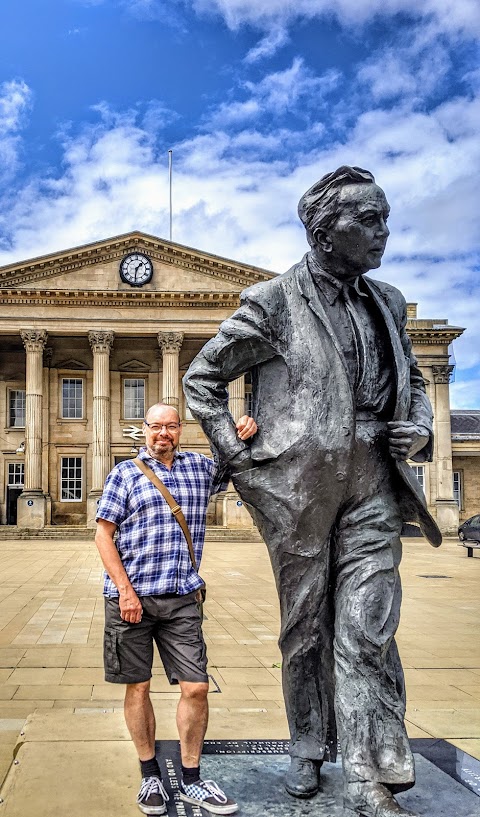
470,546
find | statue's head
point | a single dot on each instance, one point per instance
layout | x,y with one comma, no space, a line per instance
345,216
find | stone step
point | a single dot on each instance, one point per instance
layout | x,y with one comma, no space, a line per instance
81,533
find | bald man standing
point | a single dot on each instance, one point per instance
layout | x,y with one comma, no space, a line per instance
150,595
340,405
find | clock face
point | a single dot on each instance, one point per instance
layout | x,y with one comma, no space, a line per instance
136,269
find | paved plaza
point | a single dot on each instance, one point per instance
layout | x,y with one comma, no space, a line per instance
51,627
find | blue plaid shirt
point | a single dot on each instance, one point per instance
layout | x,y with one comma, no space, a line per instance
150,542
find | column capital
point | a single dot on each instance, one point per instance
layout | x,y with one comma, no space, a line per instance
34,340
170,341
442,373
101,341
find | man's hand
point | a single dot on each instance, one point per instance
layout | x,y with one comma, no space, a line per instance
405,439
130,606
246,427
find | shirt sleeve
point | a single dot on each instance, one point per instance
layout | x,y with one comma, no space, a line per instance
113,503
220,477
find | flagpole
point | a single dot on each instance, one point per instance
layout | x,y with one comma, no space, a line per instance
170,165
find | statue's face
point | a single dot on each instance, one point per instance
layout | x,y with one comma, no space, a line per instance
359,235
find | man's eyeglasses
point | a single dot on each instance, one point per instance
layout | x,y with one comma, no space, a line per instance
155,427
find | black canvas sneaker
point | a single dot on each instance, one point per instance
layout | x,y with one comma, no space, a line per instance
152,797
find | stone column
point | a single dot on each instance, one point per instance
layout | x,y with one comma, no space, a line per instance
447,508
236,400
101,343
32,501
170,343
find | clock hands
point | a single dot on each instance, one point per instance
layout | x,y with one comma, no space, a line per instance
136,269
141,264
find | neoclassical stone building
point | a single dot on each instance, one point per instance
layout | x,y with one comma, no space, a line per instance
93,335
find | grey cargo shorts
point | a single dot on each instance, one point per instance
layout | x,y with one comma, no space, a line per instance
173,622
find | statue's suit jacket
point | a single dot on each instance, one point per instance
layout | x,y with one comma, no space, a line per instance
303,404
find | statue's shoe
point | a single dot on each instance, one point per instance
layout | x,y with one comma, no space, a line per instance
372,800
303,777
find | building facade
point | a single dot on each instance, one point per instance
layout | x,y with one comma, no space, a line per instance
92,336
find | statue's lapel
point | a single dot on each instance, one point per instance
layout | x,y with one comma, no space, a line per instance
309,292
401,364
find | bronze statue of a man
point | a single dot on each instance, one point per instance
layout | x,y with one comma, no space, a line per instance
340,405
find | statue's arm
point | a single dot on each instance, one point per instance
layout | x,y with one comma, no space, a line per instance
420,407
243,341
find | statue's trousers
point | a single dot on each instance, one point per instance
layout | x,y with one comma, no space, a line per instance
340,597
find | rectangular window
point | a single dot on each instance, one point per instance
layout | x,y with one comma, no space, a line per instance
17,408
71,479
16,471
134,398
457,487
419,471
72,398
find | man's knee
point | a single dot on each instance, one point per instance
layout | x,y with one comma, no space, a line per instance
137,691
194,691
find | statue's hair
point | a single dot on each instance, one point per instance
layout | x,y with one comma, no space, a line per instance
318,207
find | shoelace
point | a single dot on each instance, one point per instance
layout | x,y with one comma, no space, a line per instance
215,790
151,785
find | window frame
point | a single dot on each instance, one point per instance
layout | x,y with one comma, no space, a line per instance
10,391
422,482
20,465
62,416
125,378
459,499
81,458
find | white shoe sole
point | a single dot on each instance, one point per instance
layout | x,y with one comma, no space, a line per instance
231,809
153,810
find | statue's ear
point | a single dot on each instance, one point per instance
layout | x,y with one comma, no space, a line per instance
323,240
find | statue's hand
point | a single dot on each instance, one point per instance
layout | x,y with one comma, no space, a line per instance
405,439
246,427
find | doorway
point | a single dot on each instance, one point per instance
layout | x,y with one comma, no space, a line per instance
16,471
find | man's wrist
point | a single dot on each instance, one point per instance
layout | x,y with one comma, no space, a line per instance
125,588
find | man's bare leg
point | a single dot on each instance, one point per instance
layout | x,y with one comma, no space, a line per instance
192,720
140,719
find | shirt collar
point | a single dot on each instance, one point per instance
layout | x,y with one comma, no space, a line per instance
144,455
330,286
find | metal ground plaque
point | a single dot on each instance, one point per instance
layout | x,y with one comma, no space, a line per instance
252,771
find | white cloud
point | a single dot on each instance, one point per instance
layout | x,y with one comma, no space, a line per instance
451,16
409,72
289,91
268,45
15,101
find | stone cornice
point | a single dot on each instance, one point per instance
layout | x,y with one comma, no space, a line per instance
89,298
433,335
186,258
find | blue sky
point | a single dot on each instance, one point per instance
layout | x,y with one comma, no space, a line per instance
257,99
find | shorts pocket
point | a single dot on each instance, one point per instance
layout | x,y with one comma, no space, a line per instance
110,652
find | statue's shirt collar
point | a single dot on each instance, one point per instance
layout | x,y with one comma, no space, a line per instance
330,286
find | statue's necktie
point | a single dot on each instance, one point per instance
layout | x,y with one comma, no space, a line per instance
349,295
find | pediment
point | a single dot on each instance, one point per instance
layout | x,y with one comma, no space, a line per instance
73,364
133,366
95,268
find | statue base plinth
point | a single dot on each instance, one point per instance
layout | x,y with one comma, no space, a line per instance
253,772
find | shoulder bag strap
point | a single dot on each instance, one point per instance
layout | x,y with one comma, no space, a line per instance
174,506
